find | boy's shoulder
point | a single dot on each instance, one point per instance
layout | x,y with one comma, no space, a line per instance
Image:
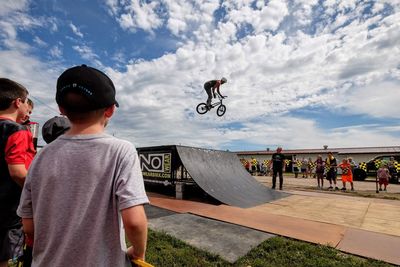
11,126
95,142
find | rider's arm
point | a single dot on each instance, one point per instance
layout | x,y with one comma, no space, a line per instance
219,92
216,86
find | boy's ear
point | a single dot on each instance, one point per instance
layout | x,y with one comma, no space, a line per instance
17,103
109,111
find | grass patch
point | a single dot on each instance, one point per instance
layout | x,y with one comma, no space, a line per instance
164,250
280,251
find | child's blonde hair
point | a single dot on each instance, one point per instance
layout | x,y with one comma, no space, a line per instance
384,164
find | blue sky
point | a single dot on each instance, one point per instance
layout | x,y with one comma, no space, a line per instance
301,73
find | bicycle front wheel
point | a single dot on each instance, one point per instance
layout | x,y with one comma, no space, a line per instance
221,110
201,108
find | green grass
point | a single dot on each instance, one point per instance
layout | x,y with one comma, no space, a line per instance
164,250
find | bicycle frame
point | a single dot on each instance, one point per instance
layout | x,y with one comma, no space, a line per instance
202,107
217,103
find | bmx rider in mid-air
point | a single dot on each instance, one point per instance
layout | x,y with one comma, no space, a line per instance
210,86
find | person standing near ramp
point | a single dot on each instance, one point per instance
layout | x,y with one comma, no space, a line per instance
277,162
331,166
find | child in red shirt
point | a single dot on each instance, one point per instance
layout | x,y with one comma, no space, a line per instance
347,175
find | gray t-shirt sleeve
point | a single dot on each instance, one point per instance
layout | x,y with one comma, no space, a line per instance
25,204
129,181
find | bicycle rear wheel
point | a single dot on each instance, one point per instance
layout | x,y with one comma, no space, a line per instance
201,108
221,110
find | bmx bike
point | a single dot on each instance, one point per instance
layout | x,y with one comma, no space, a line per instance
203,109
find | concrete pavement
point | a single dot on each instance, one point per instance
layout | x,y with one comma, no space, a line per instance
367,227
311,183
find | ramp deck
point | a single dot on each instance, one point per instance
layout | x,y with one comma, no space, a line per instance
221,175
218,173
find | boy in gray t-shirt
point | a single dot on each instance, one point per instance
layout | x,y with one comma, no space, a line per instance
83,187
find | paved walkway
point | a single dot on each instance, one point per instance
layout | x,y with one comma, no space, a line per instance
367,227
365,186
229,241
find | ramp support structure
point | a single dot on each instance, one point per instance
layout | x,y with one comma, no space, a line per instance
179,188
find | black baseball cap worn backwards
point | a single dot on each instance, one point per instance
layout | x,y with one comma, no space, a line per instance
93,84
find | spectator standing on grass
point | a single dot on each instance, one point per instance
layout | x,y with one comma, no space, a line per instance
319,171
331,173
258,168
392,167
254,166
310,167
84,186
248,166
263,169
392,162
304,167
347,175
383,176
17,152
296,166
277,162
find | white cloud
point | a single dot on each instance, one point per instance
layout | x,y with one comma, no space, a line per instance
9,6
302,11
275,60
39,42
112,6
294,132
75,30
56,52
52,22
266,17
14,19
268,74
37,76
119,56
140,15
271,16
88,54
184,17
378,99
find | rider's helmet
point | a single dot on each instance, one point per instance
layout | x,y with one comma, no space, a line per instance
223,80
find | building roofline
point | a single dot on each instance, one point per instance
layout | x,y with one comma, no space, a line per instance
350,150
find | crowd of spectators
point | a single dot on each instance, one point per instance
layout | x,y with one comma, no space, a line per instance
321,169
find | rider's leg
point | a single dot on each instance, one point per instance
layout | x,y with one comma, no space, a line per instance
208,91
